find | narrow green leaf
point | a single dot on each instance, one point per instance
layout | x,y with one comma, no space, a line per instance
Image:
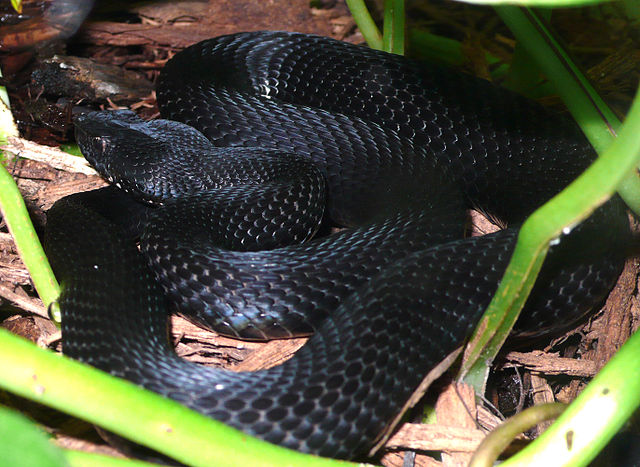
393,27
7,124
23,444
17,5
72,149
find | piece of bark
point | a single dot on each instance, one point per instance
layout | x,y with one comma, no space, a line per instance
541,394
273,353
436,437
397,459
616,321
54,157
552,364
82,79
32,305
456,407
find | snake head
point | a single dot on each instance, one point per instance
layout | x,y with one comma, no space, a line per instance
106,139
135,154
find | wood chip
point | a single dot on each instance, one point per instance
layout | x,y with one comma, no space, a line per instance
542,393
47,154
551,364
399,459
436,437
456,407
31,304
271,354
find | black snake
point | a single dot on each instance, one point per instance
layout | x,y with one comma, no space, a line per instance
283,135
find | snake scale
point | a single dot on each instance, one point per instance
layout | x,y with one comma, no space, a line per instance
267,138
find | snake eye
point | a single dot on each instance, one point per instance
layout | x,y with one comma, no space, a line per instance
100,144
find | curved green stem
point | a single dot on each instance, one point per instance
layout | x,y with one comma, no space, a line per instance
579,434
365,23
565,210
500,438
130,411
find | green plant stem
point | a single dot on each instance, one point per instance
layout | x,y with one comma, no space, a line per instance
17,5
16,216
597,120
128,410
393,27
365,23
23,443
427,46
565,210
523,75
593,418
500,438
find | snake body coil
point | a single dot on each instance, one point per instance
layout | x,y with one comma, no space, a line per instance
276,126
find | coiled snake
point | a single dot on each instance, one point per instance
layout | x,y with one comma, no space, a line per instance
282,134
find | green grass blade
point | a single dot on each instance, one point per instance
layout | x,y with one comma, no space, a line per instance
7,124
428,46
17,5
